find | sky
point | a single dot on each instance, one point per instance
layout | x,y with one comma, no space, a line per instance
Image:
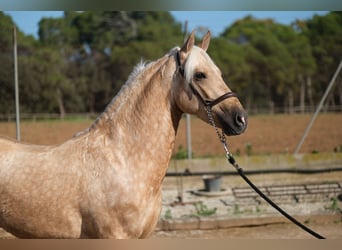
216,21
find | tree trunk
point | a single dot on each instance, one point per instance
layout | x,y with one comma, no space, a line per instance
270,94
339,89
60,104
291,101
311,103
271,106
330,102
302,94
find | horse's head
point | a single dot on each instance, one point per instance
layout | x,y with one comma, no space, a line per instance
199,85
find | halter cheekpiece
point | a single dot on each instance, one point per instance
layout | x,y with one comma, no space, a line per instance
205,101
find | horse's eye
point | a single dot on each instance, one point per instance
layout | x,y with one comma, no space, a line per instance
199,76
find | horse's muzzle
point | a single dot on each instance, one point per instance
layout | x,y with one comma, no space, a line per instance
234,123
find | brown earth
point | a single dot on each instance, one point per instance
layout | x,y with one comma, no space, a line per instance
328,226
265,134
270,134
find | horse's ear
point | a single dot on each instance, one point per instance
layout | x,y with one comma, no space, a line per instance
187,46
204,44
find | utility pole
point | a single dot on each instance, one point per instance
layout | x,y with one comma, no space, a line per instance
188,117
179,182
16,87
327,91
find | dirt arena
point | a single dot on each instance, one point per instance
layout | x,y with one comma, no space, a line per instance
329,227
266,134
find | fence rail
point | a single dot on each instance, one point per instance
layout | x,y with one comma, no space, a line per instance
187,173
295,110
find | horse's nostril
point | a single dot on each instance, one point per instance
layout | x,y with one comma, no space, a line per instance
240,120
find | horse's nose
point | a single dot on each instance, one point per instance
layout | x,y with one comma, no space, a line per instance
241,120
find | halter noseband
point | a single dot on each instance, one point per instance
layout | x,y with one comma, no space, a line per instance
206,102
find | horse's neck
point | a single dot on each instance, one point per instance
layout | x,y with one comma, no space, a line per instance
141,122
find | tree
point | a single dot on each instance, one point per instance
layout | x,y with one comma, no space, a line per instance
101,48
303,63
25,45
325,36
231,59
6,69
82,59
272,52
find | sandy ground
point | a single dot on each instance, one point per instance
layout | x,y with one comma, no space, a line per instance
329,227
315,211
266,134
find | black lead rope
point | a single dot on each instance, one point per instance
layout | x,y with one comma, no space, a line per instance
280,210
232,161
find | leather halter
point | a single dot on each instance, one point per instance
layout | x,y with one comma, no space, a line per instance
205,101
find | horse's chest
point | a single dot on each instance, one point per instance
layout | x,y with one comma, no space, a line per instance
128,215
142,214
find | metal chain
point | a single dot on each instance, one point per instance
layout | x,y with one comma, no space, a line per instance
222,138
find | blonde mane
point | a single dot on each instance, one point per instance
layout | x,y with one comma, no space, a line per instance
133,82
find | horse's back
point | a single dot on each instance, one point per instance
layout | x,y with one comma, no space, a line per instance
9,144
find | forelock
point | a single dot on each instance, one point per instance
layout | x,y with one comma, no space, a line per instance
193,61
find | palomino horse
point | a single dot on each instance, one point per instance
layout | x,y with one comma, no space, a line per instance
106,181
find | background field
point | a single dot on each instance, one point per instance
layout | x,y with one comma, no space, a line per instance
266,134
